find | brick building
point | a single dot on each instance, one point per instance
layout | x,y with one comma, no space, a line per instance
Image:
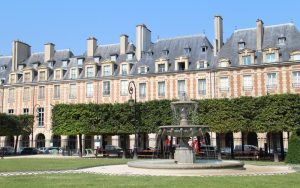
252,62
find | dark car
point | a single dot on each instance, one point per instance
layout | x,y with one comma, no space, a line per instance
29,151
7,150
207,152
111,150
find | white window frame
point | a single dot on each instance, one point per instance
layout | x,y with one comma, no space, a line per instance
161,67
271,80
89,89
201,86
107,70
296,79
142,90
124,69
224,84
247,83
56,91
73,73
181,88
72,91
246,60
90,72
123,87
106,88
161,88
41,95
270,57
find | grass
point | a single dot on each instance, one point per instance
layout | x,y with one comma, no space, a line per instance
102,181
34,164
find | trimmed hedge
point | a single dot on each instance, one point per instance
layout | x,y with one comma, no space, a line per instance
293,155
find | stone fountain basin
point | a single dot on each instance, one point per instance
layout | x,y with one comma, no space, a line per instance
200,164
183,130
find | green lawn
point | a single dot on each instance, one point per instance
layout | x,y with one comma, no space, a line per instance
92,180
33,164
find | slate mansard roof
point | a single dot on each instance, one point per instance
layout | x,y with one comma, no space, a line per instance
175,47
230,50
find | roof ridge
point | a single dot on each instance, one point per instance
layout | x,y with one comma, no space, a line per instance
181,37
267,26
6,56
113,44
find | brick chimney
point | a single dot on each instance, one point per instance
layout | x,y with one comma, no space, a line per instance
143,40
49,51
218,43
20,52
91,46
259,34
123,44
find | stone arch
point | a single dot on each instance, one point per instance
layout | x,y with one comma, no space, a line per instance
72,142
40,140
9,141
56,141
252,139
24,141
228,139
207,139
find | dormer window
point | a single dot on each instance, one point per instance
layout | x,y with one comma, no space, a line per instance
187,51
124,69
2,80
281,40
20,67
64,63
73,73
165,52
36,65
246,60
97,59
201,64
224,63
161,67
241,45
181,66
42,76
113,58
107,70
90,72
129,56
270,57
3,67
51,64
79,61
143,70
203,49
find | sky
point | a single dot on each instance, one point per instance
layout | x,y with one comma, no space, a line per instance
68,23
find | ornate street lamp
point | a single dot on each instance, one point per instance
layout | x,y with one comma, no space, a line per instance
132,104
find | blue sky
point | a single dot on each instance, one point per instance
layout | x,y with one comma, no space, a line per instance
68,23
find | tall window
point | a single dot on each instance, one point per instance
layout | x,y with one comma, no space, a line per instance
161,89
106,88
41,92
72,91
73,73
11,111
11,97
247,82
57,74
27,77
26,111
56,93
124,87
181,66
202,86
64,63
113,58
181,88
124,69
161,67
41,117
296,79
224,84
97,59
272,80
42,76
129,56
270,57
106,70
246,60
89,90
90,72
142,89
26,94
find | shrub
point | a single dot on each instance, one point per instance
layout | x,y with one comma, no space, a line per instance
293,155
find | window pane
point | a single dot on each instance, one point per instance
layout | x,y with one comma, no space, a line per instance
224,84
106,70
202,86
41,92
124,69
296,79
106,88
270,57
181,88
72,91
272,80
161,89
124,87
89,89
73,73
161,67
41,117
246,60
142,88
90,72
247,82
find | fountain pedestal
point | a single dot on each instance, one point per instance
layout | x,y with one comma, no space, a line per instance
184,155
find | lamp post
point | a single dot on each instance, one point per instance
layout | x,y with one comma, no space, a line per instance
35,114
132,103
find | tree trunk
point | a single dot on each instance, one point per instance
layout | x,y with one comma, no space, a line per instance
171,148
281,146
243,143
80,145
274,139
231,146
16,144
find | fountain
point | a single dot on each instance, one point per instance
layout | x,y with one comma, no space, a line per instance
184,129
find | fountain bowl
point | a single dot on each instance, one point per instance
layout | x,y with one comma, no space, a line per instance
199,164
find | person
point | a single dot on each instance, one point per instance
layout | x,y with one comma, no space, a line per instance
196,146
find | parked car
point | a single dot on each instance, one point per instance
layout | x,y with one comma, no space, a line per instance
53,150
226,151
7,150
42,149
111,150
250,151
30,151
